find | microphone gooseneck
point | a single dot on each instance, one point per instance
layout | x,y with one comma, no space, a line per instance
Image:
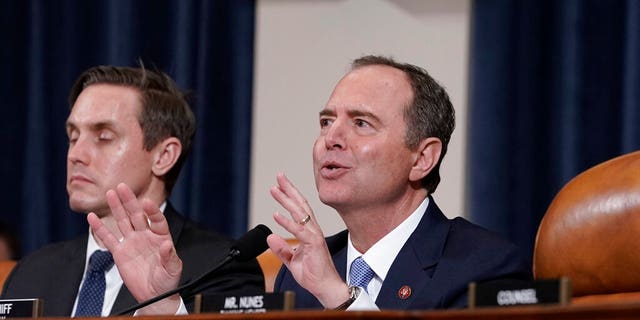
249,246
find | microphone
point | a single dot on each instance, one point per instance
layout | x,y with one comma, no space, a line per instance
249,246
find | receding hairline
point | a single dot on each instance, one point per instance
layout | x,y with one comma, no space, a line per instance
397,73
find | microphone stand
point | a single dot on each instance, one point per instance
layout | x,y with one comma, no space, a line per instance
232,254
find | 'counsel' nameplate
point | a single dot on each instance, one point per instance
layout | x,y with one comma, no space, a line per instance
504,293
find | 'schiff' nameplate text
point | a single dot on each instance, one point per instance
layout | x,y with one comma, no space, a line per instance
20,308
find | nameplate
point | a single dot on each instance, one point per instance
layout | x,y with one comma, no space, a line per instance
250,303
20,308
505,293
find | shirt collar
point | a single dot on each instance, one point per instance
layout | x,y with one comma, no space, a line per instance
382,254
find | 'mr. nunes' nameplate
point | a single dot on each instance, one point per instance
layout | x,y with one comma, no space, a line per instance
511,293
20,308
250,303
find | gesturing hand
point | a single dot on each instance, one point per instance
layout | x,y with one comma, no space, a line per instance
145,255
310,263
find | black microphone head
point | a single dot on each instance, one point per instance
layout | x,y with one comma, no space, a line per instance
251,244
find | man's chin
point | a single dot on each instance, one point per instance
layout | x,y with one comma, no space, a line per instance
83,206
334,200
78,209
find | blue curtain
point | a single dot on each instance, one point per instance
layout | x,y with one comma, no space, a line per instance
206,46
555,89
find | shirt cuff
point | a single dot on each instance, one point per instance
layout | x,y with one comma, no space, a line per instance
363,302
182,309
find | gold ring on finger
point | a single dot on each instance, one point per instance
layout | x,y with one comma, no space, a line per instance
305,220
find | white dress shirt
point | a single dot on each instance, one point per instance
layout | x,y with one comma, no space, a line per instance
380,257
112,278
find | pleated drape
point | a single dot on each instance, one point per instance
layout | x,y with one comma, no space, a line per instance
555,89
206,46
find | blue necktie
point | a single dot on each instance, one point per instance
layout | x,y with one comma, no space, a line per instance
360,273
91,296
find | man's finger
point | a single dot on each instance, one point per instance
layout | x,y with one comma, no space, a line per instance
101,232
119,213
133,207
169,259
157,221
280,248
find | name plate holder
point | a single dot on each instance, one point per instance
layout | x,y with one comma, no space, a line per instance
245,303
505,293
20,308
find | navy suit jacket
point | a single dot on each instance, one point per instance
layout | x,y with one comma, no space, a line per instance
437,263
54,272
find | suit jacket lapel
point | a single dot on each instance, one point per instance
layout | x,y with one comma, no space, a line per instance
415,264
340,261
337,245
175,222
72,269
123,300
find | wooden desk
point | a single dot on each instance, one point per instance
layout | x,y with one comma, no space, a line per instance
590,312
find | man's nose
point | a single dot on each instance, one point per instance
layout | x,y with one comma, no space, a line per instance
78,151
335,138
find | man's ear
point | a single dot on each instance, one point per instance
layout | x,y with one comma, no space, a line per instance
427,156
166,154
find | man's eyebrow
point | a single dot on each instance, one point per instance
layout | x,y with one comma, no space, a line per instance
360,113
327,112
93,126
102,125
352,113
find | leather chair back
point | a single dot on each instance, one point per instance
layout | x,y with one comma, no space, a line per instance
591,231
271,264
5,269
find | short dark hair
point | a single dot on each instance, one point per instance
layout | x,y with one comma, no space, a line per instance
165,108
430,114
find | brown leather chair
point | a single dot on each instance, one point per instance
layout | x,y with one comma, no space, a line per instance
5,268
270,265
591,233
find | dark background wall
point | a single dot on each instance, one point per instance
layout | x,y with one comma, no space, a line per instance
555,89
206,46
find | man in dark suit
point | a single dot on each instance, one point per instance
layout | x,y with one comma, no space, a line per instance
129,130
383,134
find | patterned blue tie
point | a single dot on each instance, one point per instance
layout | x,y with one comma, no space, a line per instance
91,295
360,273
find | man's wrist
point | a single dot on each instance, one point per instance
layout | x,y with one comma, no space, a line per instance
332,295
167,306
